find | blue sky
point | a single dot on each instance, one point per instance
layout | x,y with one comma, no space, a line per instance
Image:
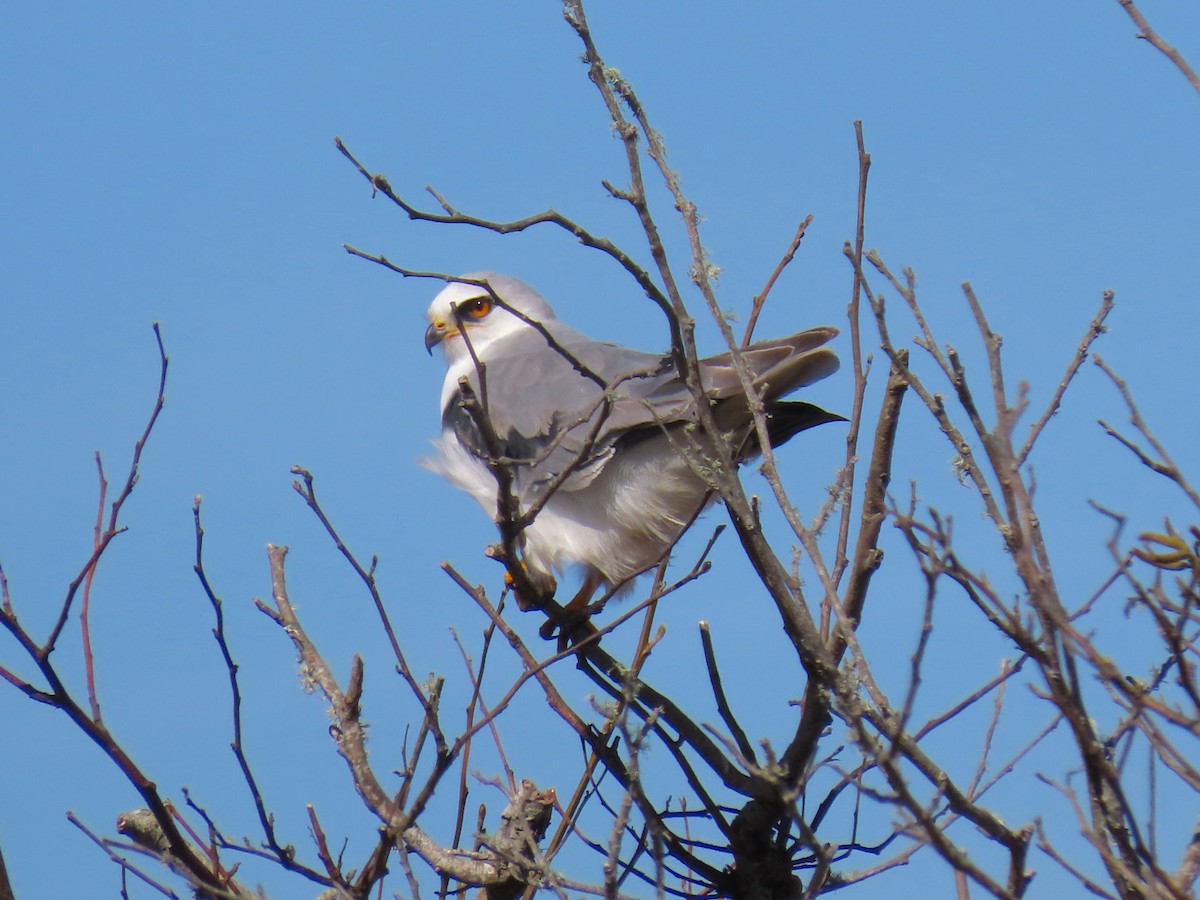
175,163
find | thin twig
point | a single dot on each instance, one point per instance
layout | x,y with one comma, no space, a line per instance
1152,37
1095,329
761,299
85,605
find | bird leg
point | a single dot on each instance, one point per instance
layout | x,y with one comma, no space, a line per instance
543,584
565,621
568,619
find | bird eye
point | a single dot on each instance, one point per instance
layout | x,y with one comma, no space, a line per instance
475,308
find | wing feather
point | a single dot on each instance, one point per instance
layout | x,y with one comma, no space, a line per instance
549,414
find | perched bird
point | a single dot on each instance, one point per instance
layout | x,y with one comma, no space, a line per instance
597,432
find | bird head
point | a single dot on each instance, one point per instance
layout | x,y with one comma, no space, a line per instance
472,310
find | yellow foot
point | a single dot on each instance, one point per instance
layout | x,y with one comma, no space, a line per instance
567,623
544,585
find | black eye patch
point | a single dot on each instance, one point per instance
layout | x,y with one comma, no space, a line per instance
475,308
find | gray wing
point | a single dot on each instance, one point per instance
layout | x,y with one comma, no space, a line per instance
549,413
778,366
549,410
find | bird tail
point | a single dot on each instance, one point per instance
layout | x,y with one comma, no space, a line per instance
788,418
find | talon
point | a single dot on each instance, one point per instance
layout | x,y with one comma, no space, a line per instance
570,621
566,625
543,584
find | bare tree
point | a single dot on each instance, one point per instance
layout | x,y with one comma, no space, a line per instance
862,783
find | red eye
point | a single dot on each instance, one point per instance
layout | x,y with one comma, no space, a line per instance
475,308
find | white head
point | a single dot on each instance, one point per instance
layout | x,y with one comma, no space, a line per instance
468,308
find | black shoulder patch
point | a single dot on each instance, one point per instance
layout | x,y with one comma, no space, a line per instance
513,445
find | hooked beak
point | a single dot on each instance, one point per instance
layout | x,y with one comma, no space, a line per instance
436,333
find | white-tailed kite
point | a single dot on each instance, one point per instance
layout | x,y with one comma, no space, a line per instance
597,432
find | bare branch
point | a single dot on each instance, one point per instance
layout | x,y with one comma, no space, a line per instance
761,299
1095,329
1152,37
